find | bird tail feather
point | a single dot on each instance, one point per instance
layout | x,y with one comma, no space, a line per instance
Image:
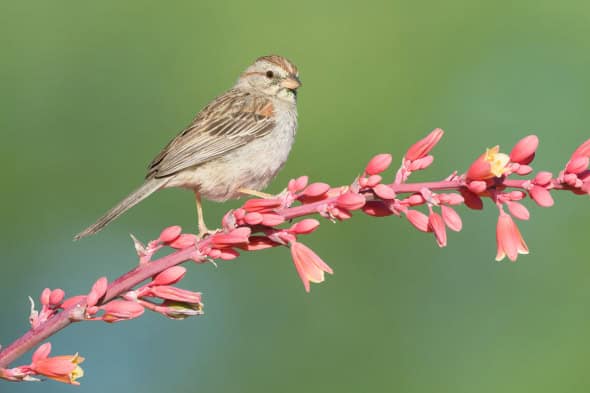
145,190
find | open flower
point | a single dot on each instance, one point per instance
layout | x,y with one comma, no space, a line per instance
509,240
490,164
64,369
310,267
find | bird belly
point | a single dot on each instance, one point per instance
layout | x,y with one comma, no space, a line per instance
251,166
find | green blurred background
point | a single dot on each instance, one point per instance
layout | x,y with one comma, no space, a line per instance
90,91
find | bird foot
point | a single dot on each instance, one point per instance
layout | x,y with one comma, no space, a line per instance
204,233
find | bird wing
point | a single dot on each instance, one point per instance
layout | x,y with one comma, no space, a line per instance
229,122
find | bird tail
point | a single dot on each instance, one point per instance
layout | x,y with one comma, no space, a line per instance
146,189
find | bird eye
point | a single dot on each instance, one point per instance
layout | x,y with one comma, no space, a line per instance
270,74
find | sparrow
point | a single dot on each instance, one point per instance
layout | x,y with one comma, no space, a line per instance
234,146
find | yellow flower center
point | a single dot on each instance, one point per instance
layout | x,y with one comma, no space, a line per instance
497,160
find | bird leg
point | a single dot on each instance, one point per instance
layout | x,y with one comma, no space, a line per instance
263,195
203,230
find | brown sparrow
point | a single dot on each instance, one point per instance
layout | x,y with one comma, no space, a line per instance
236,145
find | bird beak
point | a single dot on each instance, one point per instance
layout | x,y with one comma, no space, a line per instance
291,83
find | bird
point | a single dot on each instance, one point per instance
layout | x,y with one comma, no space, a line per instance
233,147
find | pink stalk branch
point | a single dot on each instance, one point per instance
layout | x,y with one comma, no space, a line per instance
260,224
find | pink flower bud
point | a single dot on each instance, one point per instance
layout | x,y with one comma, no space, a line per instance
516,195
227,254
472,201
418,220
97,292
451,218
384,192
570,179
518,210
121,310
373,180
236,237
477,186
583,150
577,164
298,184
316,190
523,170
44,298
437,225
170,234
169,276
524,150
377,209
214,253
305,226
421,163
421,148
42,352
239,214
415,199
350,201
543,178
542,196
258,243
451,199
183,241
271,220
378,164
253,218
73,301
259,205
56,297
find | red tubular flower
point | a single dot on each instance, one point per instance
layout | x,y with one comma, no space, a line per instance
310,267
261,205
421,148
168,292
64,369
508,239
524,150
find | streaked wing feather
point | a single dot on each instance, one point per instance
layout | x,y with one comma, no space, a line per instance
229,122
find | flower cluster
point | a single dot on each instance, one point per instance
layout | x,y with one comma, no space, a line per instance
271,222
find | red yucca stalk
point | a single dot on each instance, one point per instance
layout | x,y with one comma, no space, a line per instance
262,223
